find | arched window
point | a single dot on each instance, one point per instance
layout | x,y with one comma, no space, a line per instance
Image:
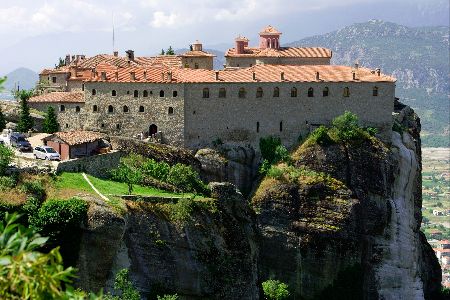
110,109
141,108
222,93
276,92
259,92
257,126
136,93
145,93
375,91
294,92
242,93
113,93
95,108
346,92
196,66
325,92
310,92
94,92
205,93
161,93
62,108
77,108
125,109
175,94
170,110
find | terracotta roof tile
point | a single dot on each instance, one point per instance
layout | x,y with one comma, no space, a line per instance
160,60
269,30
76,137
93,61
59,97
198,54
263,73
307,52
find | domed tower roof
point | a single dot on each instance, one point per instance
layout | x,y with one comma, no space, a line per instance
269,30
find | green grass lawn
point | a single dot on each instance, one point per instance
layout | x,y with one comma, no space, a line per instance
75,181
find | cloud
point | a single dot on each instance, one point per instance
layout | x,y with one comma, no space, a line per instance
161,19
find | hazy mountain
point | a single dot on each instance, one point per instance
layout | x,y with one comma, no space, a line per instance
22,77
417,57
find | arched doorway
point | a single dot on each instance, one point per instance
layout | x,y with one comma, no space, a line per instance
153,129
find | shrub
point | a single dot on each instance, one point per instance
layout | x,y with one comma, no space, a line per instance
56,216
7,182
371,131
320,136
124,288
168,297
34,188
157,170
181,212
267,147
127,172
6,156
186,179
275,172
346,127
275,290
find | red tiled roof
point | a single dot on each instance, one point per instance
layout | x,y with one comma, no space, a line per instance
302,52
93,61
76,137
59,97
263,73
270,30
197,54
59,70
160,60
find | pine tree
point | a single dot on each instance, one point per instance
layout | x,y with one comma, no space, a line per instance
50,124
25,120
162,52
170,51
191,48
2,121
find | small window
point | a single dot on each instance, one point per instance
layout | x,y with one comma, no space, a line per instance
77,108
205,93
62,108
276,92
346,92
174,94
67,125
222,93
95,108
161,93
103,125
325,92
136,94
128,92
242,93
294,92
117,126
145,94
54,79
110,109
170,110
82,87
94,92
257,126
281,126
310,92
196,66
259,92
125,109
113,93
141,109
375,91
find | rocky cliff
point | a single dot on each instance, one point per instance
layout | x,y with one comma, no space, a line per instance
341,222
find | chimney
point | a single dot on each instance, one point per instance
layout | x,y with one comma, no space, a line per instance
197,46
317,76
378,70
217,75
282,76
162,76
169,76
354,75
117,76
130,55
254,76
73,57
145,75
116,53
73,72
103,75
241,43
67,60
133,75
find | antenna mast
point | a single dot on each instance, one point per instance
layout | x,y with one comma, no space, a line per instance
113,34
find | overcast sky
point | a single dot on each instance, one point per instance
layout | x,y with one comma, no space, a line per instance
34,33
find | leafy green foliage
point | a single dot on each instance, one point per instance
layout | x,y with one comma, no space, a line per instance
7,182
346,127
162,52
185,178
320,136
2,121
158,170
25,121
50,124
6,156
2,81
275,290
124,288
168,297
170,51
272,151
26,273
34,188
127,172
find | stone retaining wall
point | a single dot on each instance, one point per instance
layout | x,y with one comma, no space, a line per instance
97,165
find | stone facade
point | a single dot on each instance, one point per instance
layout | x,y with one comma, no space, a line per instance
198,62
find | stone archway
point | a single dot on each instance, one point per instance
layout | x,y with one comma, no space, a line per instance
152,130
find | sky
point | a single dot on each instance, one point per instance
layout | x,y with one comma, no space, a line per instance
34,34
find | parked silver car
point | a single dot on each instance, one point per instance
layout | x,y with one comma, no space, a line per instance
46,152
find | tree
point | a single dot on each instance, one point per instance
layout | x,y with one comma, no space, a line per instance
61,63
124,287
346,127
6,156
25,120
191,48
127,172
162,52
50,124
2,121
170,51
275,290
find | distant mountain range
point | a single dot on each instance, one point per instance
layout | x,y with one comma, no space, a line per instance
21,77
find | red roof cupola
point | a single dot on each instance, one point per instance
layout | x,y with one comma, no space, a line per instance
269,37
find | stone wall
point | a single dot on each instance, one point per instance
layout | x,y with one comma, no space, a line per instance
204,62
70,118
97,165
236,120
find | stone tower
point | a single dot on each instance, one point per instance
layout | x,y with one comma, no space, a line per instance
269,37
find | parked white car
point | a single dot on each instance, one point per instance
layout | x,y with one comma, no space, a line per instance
46,152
